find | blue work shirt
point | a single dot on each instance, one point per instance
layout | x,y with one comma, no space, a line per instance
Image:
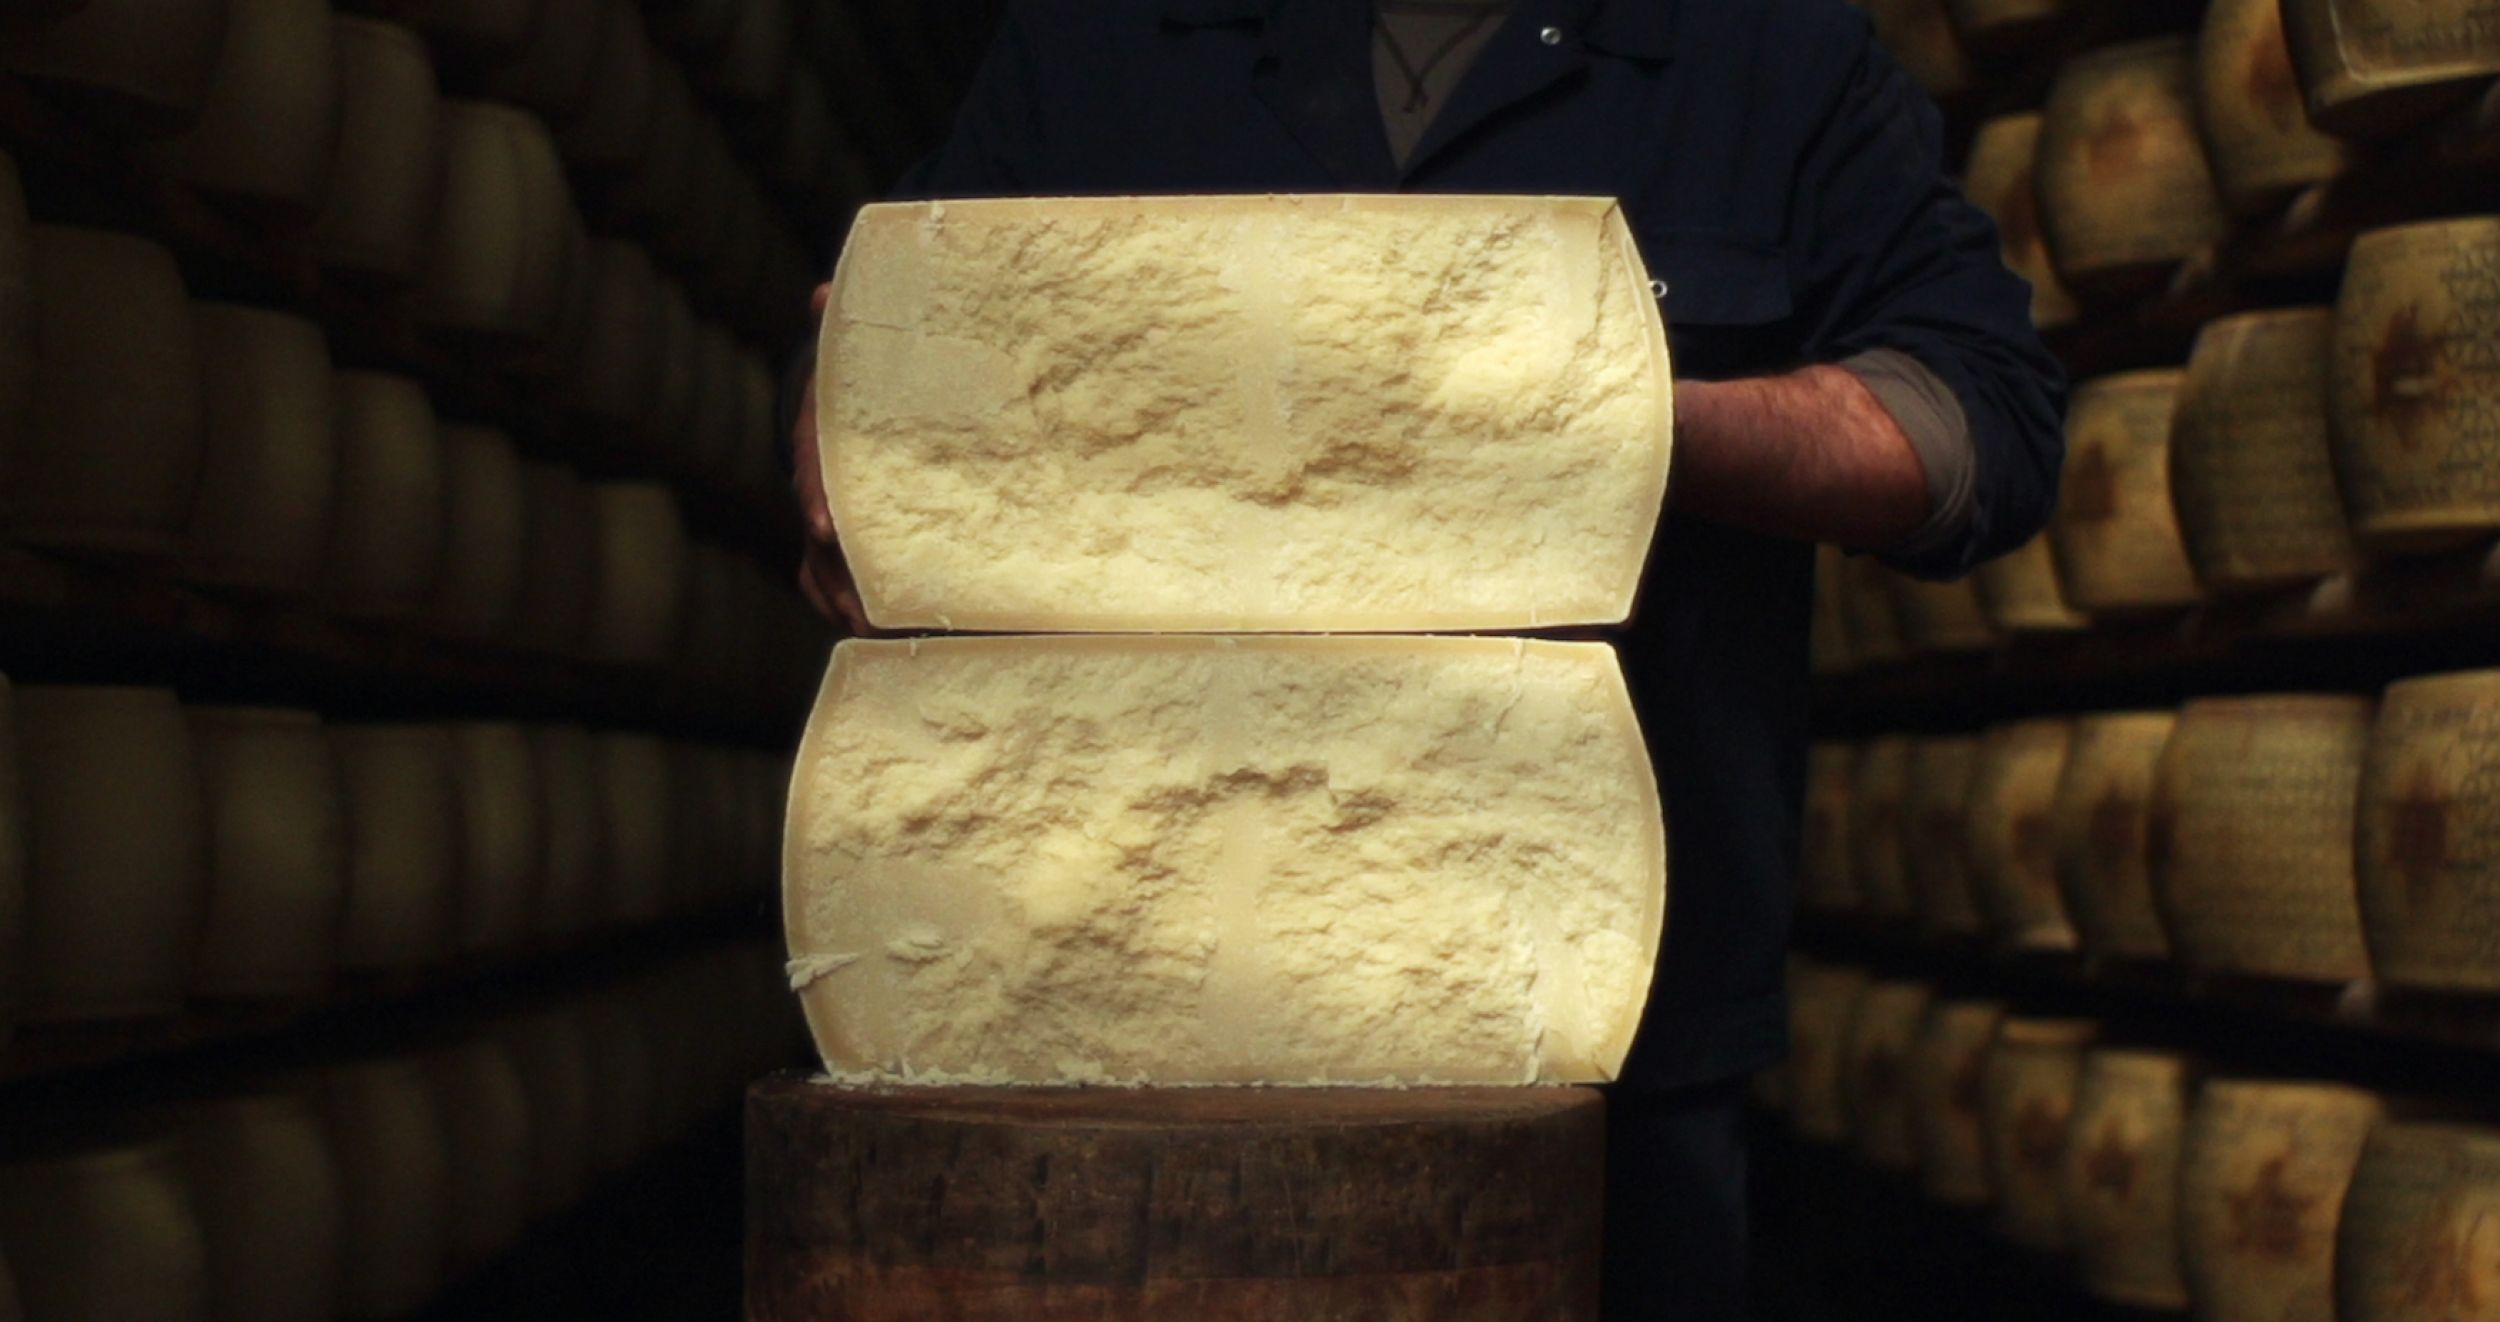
1785,182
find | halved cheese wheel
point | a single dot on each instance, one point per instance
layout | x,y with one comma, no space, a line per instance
1170,414
104,1234
489,1133
501,820
642,573
2248,98
268,125
259,1174
2414,383
385,183
2121,1175
261,520
573,844
2125,193
2251,476
143,64
495,266
388,526
404,846
395,1177
2116,530
277,835
2261,1192
2428,848
2100,819
1205,860
478,585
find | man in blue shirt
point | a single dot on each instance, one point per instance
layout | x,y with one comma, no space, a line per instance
1855,366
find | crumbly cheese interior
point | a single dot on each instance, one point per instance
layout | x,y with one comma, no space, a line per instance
1244,414
1211,860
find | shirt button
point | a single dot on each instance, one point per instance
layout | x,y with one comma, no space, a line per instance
1550,36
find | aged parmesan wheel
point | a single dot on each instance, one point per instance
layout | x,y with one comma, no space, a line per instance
1879,827
112,452
607,133
277,837
395,1181
635,792
1939,815
622,1116
478,584
940,859
548,1048
495,265
572,845
2428,847
1829,636
144,64
17,327
551,73
2124,190
501,820
489,1136
261,1179
1939,617
2116,533
385,183
2420,1234
560,562
268,124
482,29
2104,800
2248,99
13,831
1822,998
105,1234
114,901
2027,1096
1234,469
2251,836
615,379
1867,612
261,519
641,576
2120,1175
2250,477
2372,67
1826,880
404,846
388,525
2416,438
1948,1062
1876,1068
2261,1190
2010,838
2021,591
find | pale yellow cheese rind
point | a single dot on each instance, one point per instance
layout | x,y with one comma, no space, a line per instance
1244,414
1183,860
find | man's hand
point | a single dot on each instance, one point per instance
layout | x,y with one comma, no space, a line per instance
824,576
1810,455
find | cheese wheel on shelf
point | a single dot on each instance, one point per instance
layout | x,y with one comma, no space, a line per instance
268,125
2252,836
1879,827
2248,99
501,819
259,1173
2413,382
1828,636
385,182
551,72
2022,592
278,857
111,458
261,519
572,844
2116,530
13,866
615,378
488,1134
2125,193
494,268
479,29
2120,1175
549,1048
1226,788
393,507
2251,476
2261,1192
635,791
114,901
1826,878
1938,617
2010,839
607,132
2428,847
2099,818
1822,998
395,1178
404,834
1876,1064
1947,1063
478,584
1938,806
17,327
2375,67
2420,1232
2027,1098
1867,611
143,65
559,562
1239,466
106,1234
641,575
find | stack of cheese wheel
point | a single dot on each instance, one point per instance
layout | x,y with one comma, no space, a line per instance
1998,177
2120,1175
2252,836
559,562
1948,1064
261,520
2415,1240
1825,882
1876,1068
2412,383
114,902
635,789
2027,1097
2261,1190
2010,843
489,1133
606,133
267,129
548,1048
572,844
496,264
2428,848
2021,591
641,574
500,817
392,508
385,181
2257,131
1938,829
395,1184
2099,818
2250,475
277,837
146,64
112,453
1822,1000
2116,531
2124,190
259,1173
13,827
2371,67
1879,828
477,583
106,1233
404,836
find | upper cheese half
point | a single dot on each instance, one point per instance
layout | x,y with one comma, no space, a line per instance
1187,860
1244,414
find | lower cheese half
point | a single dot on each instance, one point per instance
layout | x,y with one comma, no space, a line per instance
1206,860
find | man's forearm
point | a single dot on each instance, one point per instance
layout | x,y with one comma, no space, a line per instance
1809,455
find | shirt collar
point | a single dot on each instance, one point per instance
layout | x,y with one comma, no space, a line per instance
1637,28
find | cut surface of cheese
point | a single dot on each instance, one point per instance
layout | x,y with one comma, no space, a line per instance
1218,414
1217,860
